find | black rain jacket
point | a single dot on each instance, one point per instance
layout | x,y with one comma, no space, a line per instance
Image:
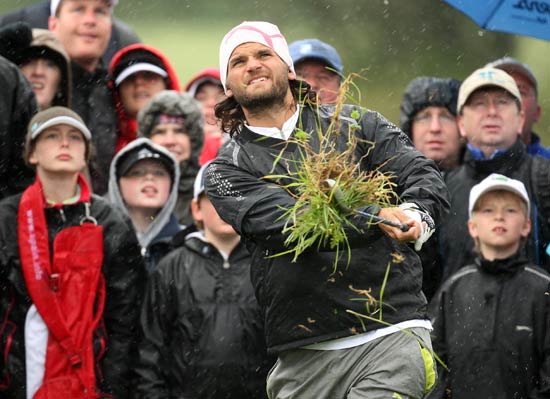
17,107
491,328
202,330
305,302
124,274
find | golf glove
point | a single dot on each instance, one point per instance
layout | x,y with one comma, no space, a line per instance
425,220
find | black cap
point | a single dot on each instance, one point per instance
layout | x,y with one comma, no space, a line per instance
139,153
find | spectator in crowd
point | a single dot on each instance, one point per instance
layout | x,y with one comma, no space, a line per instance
207,89
47,67
174,120
202,329
323,350
491,318
490,118
36,15
43,61
320,65
17,106
428,117
70,275
91,96
137,72
144,185
529,90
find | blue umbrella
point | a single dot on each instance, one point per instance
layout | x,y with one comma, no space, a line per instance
523,17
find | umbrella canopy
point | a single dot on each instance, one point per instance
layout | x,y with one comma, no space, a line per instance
522,17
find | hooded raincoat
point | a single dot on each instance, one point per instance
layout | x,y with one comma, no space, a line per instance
156,241
127,125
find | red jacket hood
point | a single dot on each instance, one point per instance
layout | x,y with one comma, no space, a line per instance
209,74
127,126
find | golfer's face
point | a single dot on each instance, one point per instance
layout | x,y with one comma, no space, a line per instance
255,71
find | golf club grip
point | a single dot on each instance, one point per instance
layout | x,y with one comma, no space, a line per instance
401,226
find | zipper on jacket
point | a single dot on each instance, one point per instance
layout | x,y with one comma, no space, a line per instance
226,264
62,214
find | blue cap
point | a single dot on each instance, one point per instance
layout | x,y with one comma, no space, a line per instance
314,48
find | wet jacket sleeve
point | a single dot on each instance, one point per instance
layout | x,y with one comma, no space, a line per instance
125,277
17,106
436,312
418,179
255,208
543,389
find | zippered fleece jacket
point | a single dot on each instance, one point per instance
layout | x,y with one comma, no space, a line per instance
307,301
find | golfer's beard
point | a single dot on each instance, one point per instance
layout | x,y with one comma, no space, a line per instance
262,101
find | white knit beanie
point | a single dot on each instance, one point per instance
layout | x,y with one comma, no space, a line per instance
257,32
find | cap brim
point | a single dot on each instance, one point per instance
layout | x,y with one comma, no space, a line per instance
63,120
54,4
503,187
128,164
139,67
306,57
192,91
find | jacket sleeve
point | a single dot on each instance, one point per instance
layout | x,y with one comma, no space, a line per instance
418,179
436,312
256,208
124,272
165,303
17,106
543,388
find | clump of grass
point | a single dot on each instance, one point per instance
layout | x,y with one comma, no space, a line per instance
317,219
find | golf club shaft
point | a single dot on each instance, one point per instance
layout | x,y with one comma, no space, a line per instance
339,197
401,226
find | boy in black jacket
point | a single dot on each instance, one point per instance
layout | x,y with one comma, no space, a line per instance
490,319
202,331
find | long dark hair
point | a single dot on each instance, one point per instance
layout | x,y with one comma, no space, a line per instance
231,114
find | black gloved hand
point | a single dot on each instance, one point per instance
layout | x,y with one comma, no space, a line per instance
15,38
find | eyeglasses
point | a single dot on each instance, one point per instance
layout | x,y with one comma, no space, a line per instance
427,117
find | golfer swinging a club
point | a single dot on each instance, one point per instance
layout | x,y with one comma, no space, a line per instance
311,313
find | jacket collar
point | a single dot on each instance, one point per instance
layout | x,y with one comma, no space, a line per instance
507,266
507,161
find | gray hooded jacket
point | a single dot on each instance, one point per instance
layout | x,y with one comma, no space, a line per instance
165,224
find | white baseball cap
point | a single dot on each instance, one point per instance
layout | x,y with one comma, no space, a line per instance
253,32
497,182
54,5
198,185
139,67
